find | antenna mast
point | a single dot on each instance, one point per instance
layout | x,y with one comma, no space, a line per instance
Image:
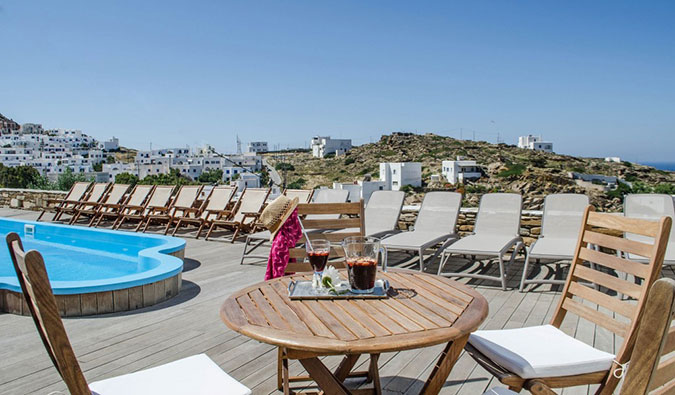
238,145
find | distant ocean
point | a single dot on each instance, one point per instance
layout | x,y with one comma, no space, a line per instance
670,166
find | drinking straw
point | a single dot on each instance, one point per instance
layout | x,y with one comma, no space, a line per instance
306,235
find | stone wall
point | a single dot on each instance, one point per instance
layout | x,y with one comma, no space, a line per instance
28,199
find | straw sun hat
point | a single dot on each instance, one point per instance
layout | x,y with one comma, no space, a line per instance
277,212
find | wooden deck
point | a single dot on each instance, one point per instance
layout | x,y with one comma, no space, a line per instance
188,324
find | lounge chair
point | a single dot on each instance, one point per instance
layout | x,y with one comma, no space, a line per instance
244,218
545,354
68,203
215,203
651,207
88,206
111,205
134,204
197,374
650,367
185,200
435,224
382,212
138,212
560,226
495,233
321,196
158,205
303,195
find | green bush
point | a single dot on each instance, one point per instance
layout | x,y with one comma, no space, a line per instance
513,170
126,178
19,176
667,188
211,176
68,178
173,178
349,160
297,184
283,166
620,191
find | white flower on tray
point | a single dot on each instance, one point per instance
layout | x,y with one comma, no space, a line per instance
331,280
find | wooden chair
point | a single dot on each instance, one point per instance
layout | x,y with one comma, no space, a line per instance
185,200
96,195
508,354
303,195
219,199
651,367
135,206
183,376
354,219
244,217
112,205
68,203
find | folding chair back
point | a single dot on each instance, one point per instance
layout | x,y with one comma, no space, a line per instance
439,212
563,213
187,195
32,275
650,207
354,221
251,200
303,195
218,199
578,297
329,196
161,195
77,191
383,210
116,194
139,195
499,213
97,192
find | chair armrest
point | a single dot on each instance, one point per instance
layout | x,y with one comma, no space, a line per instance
160,209
131,206
250,214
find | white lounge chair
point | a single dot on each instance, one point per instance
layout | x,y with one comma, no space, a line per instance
560,227
319,196
197,374
650,207
435,224
495,233
382,212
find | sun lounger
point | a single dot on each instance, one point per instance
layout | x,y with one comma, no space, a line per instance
382,212
136,212
111,205
216,202
96,195
134,204
321,196
197,374
245,215
185,199
650,367
68,204
495,233
435,224
303,195
158,206
650,207
560,227
545,354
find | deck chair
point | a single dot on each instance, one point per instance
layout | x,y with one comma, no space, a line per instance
650,367
158,206
651,207
192,375
185,200
545,353
111,205
257,239
136,206
495,233
355,222
90,204
68,203
244,217
560,226
216,202
303,195
382,212
436,222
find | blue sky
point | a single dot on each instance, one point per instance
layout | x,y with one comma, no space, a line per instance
597,78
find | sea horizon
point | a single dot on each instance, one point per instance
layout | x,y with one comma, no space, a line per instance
669,166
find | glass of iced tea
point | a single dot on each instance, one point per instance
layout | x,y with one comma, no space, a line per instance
361,254
317,252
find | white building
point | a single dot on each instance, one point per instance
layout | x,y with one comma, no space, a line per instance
257,146
534,143
246,180
112,144
361,189
614,159
457,171
396,175
113,169
322,146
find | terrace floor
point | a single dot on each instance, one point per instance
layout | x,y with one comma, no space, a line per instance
188,324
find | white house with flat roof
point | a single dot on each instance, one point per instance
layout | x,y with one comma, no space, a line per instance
361,189
396,175
457,171
257,146
322,146
112,144
535,143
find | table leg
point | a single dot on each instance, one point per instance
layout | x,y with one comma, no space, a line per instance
445,363
346,366
323,377
374,374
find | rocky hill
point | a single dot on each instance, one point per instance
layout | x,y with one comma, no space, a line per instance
507,168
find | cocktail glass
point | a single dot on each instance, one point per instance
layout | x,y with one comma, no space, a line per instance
317,252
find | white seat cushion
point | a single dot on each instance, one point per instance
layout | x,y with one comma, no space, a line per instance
196,375
553,247
540,351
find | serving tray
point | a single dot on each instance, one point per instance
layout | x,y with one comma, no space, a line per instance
302,289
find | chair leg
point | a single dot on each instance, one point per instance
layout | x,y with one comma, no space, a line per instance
168,225
199,231
40,216
421,255
243,253
176,228
211,228
444,259
234,235
502,271
117,224
524,276
147,223
74,219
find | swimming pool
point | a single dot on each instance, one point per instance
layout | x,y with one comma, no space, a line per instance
120,270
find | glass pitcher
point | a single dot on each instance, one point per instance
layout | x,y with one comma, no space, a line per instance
361,254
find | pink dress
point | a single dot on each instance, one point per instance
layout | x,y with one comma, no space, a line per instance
285,239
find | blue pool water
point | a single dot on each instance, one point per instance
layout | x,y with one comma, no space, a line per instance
83,260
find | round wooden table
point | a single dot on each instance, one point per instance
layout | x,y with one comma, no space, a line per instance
421,310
